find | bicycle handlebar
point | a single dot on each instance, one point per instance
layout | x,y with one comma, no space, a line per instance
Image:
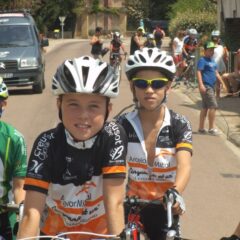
134,201
10,207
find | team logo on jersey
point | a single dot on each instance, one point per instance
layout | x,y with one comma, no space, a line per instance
117,152
36,167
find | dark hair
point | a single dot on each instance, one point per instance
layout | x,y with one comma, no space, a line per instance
98,29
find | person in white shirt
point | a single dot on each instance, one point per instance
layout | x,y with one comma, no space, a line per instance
218,56
177,46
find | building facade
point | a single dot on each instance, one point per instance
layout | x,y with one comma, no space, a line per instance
111,16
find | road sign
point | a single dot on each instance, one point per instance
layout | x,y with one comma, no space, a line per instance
62,19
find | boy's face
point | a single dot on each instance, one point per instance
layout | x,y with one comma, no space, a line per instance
209,52
83,115
150,98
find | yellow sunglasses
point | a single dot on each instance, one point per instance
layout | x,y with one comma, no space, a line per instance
155,83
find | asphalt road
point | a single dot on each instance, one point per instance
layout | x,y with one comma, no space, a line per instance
213,194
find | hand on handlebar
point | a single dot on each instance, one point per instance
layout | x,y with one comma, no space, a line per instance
174,199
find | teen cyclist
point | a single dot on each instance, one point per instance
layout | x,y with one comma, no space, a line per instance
159,140
116,46
76,171
13,166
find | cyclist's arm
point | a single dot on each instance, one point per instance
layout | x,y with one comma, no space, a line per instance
114,192
163,33
183,170
18,192
33,208
137,40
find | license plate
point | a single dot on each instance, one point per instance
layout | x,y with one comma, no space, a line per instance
6,75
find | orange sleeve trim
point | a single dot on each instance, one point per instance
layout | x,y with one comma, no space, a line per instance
163,170
36,183
114,169
137,165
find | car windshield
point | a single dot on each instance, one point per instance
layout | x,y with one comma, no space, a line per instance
15,36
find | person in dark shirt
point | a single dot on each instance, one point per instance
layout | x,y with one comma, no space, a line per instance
136,40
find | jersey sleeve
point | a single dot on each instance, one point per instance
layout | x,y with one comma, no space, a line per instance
38,173
182,133
115,142
20,155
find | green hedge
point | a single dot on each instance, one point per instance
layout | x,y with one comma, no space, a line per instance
203,21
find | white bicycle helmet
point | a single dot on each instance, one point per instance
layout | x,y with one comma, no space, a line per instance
150,36
3,90
152,58
86,75
116,34
192,31
215,33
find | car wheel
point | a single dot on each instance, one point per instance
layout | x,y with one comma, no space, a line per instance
39,86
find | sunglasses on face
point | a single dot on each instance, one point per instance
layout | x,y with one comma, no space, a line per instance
155,83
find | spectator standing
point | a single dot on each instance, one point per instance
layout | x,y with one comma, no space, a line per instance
219,56
177,49
159,140
137,40
158,34
13,166
207,75
97,43
76,171
232,80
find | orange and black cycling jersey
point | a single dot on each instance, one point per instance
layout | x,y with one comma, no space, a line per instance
190,44
72,178
151,182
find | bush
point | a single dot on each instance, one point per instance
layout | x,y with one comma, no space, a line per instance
203,22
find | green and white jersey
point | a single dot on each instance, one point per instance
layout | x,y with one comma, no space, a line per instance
13,160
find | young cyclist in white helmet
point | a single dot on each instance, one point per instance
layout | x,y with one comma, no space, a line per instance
76,171
159,140
13,167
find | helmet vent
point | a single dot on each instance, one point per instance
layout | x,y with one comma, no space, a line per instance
142,58
169,63
150,52
101,80
130,62
135,58
85,71
69,78
157,58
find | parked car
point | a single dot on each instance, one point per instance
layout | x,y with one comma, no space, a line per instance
21,51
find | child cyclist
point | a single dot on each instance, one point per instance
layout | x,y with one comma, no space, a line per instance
159,140
76,171
116,45
13,167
